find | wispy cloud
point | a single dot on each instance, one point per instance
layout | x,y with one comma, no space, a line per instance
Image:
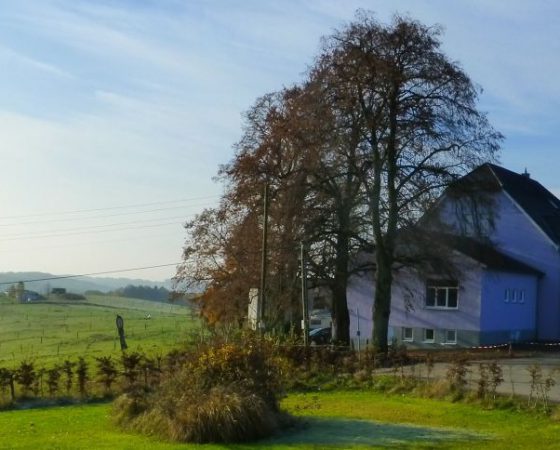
9,57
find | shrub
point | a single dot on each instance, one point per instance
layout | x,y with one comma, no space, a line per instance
496,378
26,376
223,414
131,367
53,380
7,378
457,376
106,372
68,369
83,376
223,393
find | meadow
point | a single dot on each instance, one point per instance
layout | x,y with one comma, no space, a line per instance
48,332
343,420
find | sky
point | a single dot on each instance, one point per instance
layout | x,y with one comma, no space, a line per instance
115,115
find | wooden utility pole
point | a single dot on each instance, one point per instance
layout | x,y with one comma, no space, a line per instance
304,303
261,301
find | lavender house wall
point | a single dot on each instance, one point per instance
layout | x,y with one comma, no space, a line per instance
483,316
517,235
507,316
408,306
360,295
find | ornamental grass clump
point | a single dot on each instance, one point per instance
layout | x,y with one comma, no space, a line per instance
223,393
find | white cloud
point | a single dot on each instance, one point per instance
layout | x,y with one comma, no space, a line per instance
9,56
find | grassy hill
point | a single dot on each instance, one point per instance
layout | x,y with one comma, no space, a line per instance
78,284
50,331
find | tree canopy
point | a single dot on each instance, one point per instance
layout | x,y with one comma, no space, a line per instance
381,125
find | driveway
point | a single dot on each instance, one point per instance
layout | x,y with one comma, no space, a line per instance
517,379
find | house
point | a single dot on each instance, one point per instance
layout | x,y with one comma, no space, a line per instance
31,296
507,289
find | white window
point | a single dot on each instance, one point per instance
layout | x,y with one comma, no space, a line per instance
407,334
520,295
450,336
429,335
442,294
506,295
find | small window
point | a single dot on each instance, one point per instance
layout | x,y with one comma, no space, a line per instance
513,296
429,335
407,335
521,296
450,336
506,296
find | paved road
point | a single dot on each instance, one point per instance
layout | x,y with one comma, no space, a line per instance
516,376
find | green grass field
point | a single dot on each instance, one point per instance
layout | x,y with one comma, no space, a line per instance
48,332
340,420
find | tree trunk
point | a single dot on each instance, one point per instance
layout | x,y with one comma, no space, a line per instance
341,318
382,303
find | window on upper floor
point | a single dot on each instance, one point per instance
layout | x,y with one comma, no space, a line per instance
442,294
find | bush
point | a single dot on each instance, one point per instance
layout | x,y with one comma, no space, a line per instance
83,376
26,376
222,393
223,414
106,372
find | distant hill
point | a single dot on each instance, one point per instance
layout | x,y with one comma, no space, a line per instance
77,285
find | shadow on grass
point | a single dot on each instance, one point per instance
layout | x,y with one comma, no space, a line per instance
345,433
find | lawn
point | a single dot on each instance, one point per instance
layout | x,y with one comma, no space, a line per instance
48,332
337,420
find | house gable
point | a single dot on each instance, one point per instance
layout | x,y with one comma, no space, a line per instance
521,255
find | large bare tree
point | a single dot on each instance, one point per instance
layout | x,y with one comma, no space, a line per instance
419,128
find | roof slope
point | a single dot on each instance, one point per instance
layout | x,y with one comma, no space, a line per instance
489,256
537,201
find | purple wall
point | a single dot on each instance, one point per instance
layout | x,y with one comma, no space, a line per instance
409,288
408,302
503,310
360,294
518,236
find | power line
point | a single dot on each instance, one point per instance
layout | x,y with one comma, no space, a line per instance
106,225
88,243
41,236
102,216
78,211
90,274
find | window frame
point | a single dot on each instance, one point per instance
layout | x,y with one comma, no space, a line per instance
425,337
446,337
442,285
404,338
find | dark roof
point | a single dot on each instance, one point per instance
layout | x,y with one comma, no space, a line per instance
537,201
489,256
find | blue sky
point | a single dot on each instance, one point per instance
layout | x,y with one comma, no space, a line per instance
108,104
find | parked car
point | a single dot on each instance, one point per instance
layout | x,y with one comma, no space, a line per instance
320,336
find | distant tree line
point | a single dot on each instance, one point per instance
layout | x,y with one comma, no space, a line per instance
157,294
